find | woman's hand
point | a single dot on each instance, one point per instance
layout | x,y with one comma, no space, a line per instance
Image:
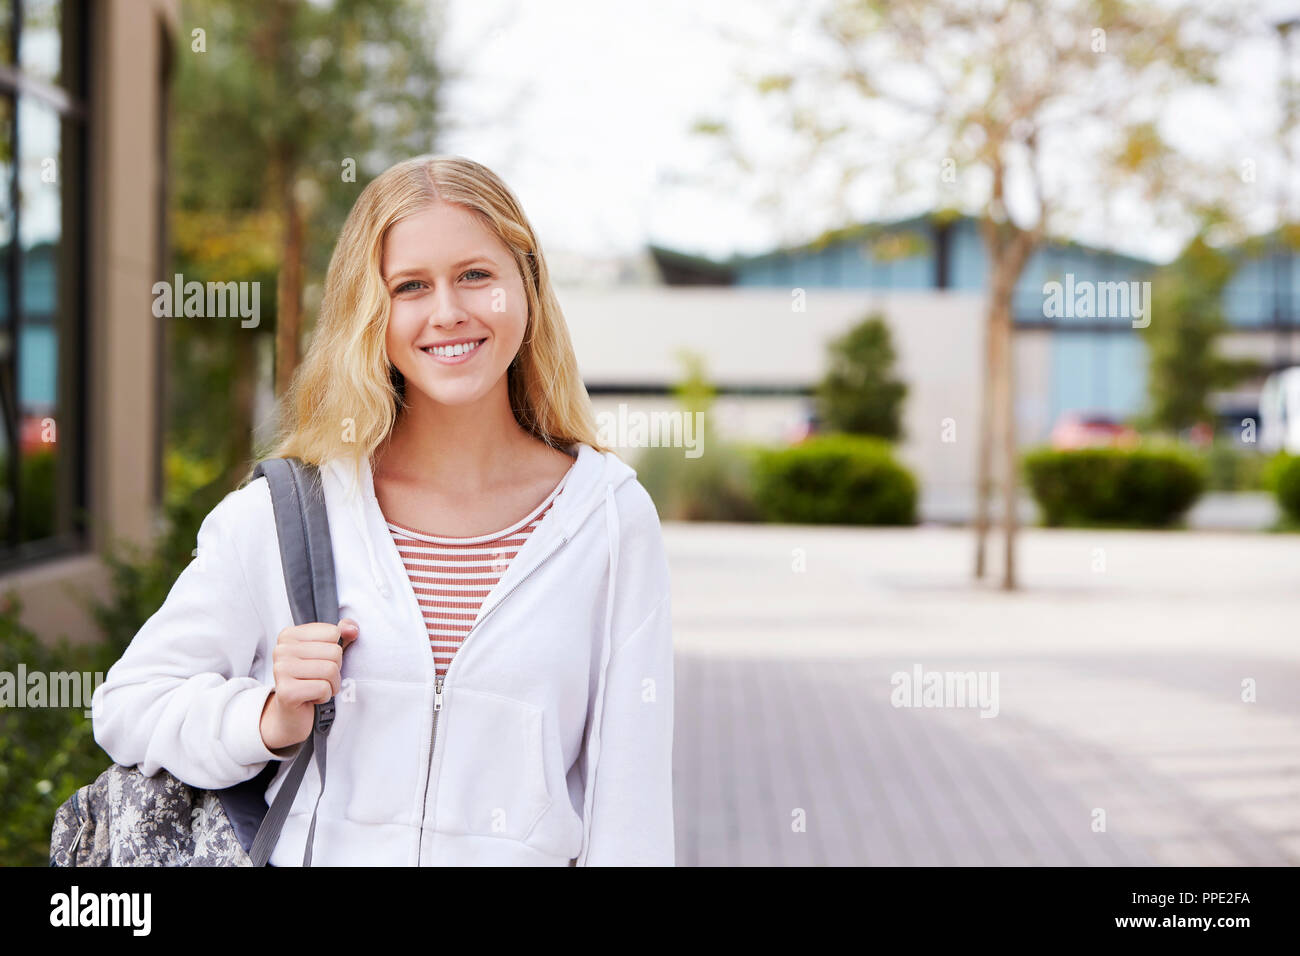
307,662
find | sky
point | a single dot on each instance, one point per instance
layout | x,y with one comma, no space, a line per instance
584,107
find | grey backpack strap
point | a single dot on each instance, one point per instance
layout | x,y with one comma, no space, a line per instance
308,558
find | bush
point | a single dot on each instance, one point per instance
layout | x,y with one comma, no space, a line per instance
1284,481
716,486
835,479
48,752
1123,487
45,752
1233,466
860,394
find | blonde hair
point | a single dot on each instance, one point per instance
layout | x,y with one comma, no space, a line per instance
345,397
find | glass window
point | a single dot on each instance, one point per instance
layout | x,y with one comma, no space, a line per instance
42,131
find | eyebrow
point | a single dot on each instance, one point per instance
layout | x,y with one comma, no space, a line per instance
459,265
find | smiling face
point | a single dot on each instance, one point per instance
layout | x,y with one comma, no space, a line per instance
458,305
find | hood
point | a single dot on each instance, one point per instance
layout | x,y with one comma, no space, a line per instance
591,484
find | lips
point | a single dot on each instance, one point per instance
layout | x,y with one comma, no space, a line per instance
455,352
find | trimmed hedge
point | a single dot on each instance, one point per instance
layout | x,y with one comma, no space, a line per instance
834,479
1124,487
1284,480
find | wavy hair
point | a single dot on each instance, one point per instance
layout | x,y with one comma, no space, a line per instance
345,397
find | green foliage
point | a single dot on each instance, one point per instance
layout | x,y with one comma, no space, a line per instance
1186,321
1233,466
45,752
291,105
38,474
39,482
859,394
714,485
1283,479
1119,487
835,479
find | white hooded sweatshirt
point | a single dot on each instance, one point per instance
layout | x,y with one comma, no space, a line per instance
553,739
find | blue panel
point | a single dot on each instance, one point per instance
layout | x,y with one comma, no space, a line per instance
967,264
846,264
38,373
1246,297
1098,372
39,289
1250,297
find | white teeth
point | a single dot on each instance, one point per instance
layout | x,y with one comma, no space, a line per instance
451,351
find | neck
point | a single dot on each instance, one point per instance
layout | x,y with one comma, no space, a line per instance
453,446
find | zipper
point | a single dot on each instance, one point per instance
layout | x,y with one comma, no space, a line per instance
76,841
441,679
433,740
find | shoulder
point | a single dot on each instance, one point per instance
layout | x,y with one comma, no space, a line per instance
640,534
242,517
636,509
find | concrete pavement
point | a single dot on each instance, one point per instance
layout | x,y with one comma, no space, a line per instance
1121,736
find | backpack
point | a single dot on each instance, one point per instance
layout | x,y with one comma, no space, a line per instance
125,818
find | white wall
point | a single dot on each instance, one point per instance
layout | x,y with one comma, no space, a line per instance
754,337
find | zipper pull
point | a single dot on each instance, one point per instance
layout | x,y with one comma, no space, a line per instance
437,693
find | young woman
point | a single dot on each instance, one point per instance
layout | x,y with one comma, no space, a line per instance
505,680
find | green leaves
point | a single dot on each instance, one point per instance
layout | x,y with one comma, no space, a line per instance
1117,487
860,394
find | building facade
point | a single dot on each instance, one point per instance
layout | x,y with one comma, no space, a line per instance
83,111
1071,356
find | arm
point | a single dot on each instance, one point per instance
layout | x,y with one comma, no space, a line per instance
631,808
181,697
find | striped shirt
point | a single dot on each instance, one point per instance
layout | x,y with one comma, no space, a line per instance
451,577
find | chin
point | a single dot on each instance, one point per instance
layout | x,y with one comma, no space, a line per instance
459,393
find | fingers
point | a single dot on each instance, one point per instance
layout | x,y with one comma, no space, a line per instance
343,633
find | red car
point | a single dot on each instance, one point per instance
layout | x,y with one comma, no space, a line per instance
1091,430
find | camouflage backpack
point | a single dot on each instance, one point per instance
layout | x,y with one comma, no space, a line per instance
125,818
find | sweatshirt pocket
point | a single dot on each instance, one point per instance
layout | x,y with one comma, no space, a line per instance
491,781
377,735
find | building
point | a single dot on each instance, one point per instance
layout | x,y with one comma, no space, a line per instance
83,105
763,323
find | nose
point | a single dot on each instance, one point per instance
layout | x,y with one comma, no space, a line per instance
446,310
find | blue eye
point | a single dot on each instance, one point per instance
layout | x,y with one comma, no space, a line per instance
405,285
480,272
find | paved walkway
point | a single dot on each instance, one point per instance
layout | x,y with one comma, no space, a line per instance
1213,511
1120,735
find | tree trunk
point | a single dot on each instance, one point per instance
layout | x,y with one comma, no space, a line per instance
289,285
243,393
1006,412
984,450
1004,409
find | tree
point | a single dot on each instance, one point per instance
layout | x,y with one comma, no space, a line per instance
859,393
283,111
1025,113
1184,366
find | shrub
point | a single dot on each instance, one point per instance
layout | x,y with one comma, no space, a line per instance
1124,487
835,479
48,752
45,752
1284,480
712,487
1233,466
860,394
